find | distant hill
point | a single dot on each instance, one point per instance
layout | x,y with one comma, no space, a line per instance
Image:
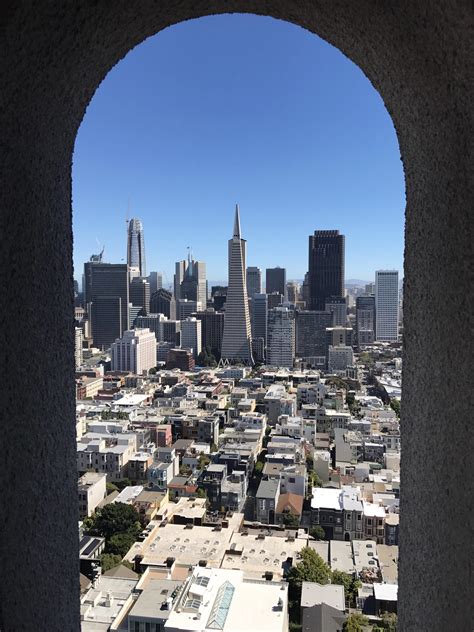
356,283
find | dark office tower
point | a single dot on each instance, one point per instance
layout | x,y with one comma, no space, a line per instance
107,298
139,295
237,338
274,300
254,281
326,267
311,340
260,317
337,305
275,281
219,296
163,302
365,320
136,248
212,330
293,292
155,279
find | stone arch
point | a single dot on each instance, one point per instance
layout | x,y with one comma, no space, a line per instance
418,55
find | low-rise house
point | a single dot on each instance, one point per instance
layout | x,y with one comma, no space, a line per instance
150,504
289,509
374,522
91,491
105,602
313,594
266,501
138,465
108,454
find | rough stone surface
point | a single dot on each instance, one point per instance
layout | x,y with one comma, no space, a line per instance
418,55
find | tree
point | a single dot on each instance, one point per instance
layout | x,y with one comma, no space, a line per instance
350,582
317,532
291,520
389,622
207,357
315,480
396,406
201,493
258,468
120,544
214,448
311,568
152,371
116,518
125,482
110,487
203,460
109,560
355,623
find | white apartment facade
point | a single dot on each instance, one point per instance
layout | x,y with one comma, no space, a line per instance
135,351
91,491
191,335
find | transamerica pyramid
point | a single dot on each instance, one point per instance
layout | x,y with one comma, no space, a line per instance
237,339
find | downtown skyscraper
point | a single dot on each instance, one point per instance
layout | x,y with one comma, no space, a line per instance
237,339
136,248
326,267
386,305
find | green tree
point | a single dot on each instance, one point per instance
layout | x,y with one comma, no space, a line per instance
214,448
291,520
109,560
317,532
207,357
396,406
152,371
203,460
311,568
355,623
258,469
201,493
115,518
389,622
350,582
120,544
122,484
315,480
110,487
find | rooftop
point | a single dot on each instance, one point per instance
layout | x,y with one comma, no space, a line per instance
313,593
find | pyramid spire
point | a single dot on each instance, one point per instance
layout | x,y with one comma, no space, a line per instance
237,222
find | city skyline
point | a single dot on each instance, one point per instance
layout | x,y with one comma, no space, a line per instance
171,282
183,141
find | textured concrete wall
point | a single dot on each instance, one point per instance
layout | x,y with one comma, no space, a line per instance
418,54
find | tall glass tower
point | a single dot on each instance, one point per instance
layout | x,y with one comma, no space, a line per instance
326,267
237,338
136,248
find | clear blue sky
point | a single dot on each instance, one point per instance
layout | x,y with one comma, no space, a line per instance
241,109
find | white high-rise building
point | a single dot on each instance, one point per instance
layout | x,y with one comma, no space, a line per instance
135,351
237,338
281,337
191,335
78,338
386,305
